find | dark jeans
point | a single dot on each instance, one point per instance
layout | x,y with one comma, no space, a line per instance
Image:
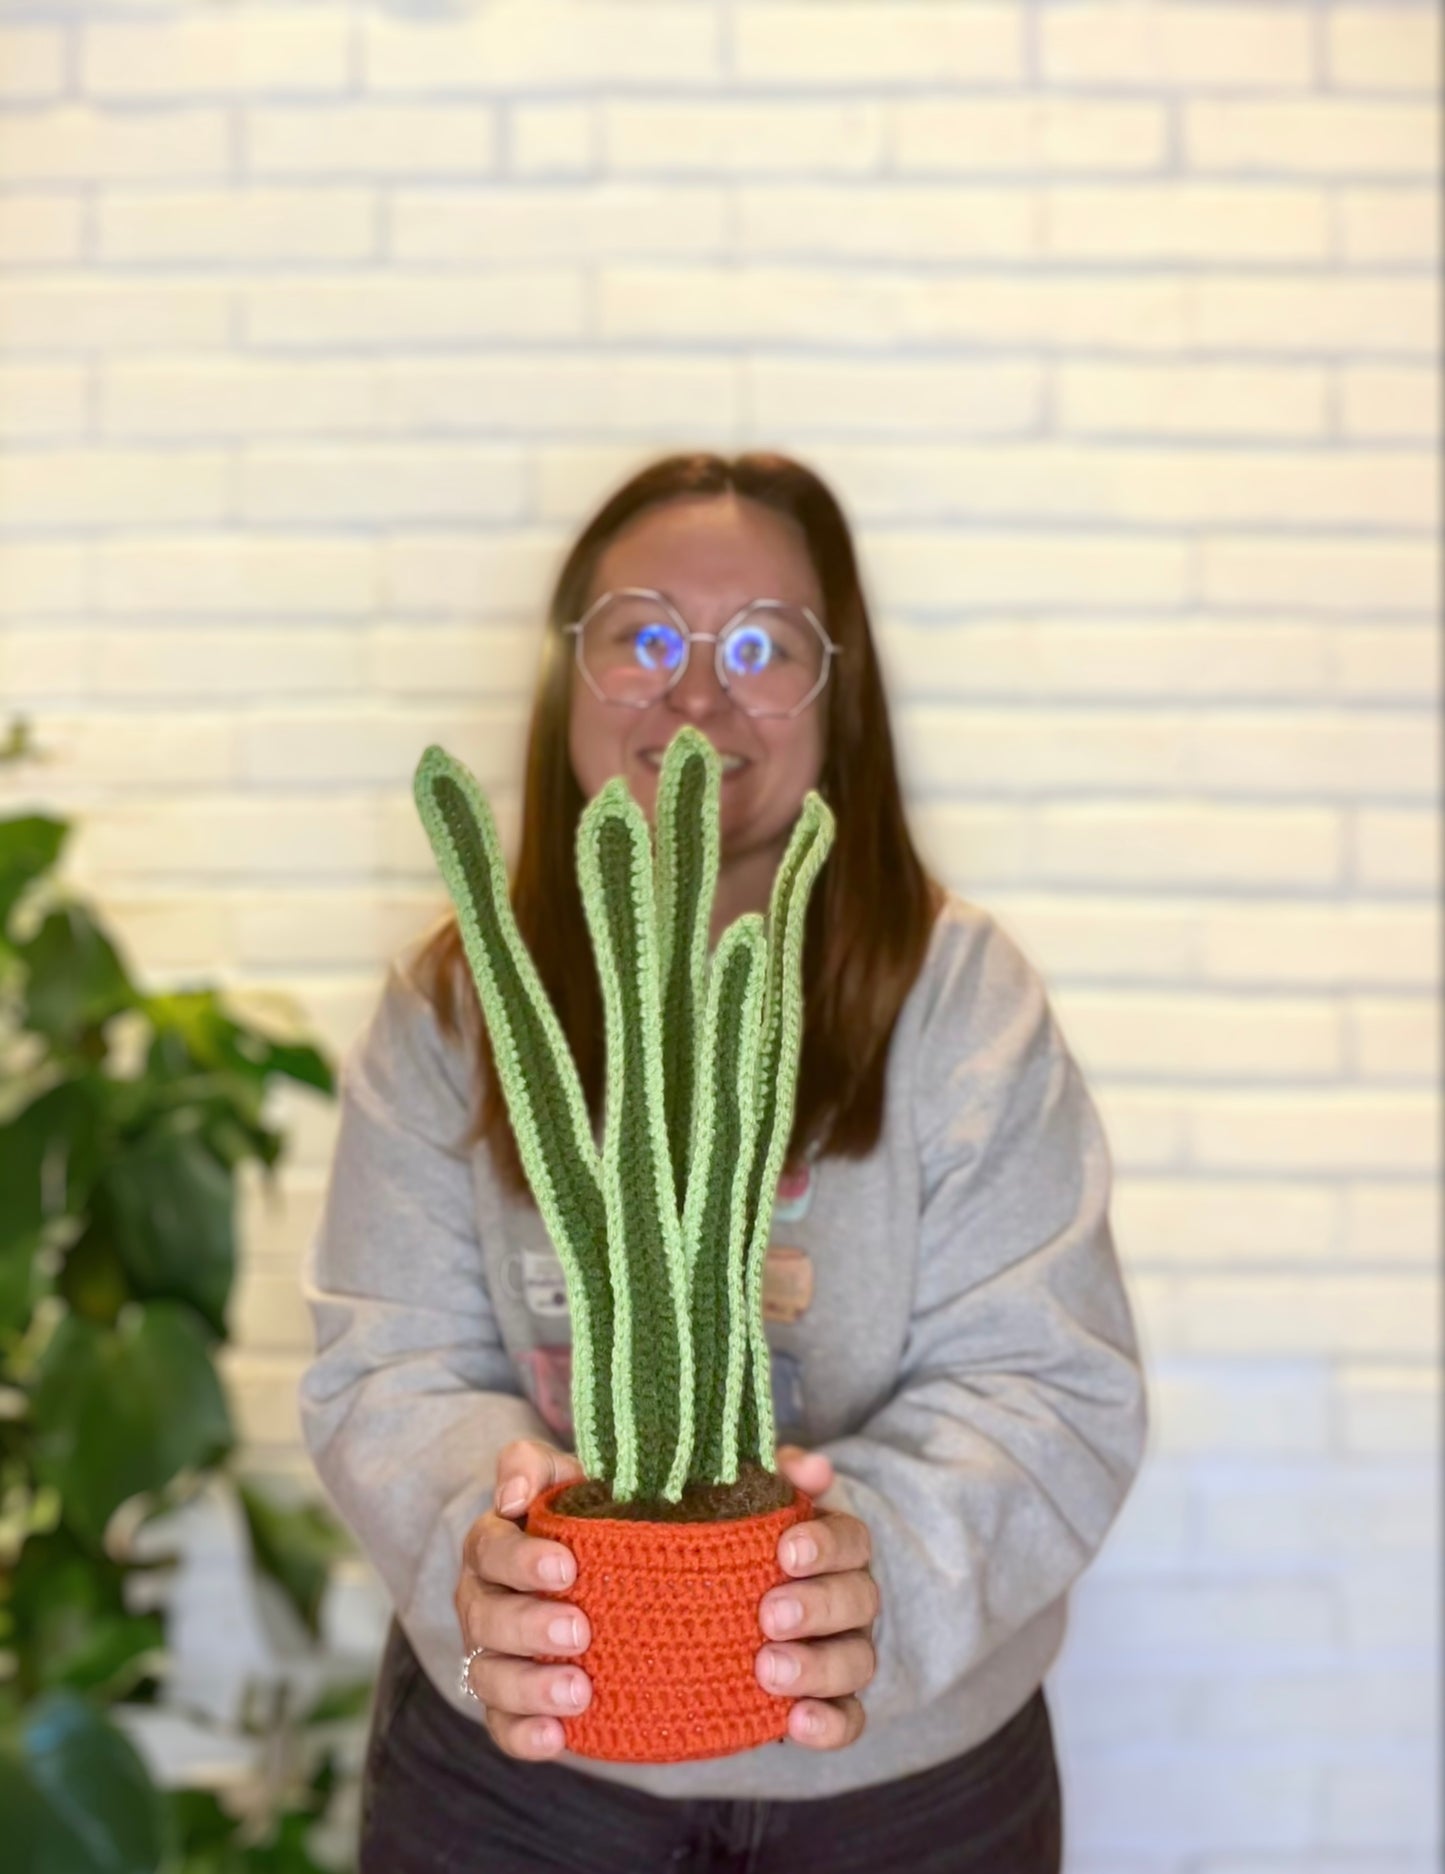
440,1795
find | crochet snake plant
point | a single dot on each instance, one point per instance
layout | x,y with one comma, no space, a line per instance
662,1233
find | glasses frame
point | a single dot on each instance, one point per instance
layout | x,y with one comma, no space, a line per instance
691,637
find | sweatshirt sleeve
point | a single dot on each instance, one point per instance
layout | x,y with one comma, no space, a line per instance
410,1394
990,1475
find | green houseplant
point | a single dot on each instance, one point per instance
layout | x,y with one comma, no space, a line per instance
117,1255
662,1233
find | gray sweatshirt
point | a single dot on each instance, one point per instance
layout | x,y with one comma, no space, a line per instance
946,1317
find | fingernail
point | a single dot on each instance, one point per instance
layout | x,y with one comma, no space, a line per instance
546,1734
568,1692
799,1551
809,1723
783,1616
557,1569
565,1632
511,1496
781,1668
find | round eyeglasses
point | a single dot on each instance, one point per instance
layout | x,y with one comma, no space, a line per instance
772,658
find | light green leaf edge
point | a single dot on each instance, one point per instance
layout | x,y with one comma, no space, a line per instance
688,843
645,1324
547,1134
778,1060
716,1220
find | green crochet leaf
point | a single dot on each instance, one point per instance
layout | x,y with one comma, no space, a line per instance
539,1082
687,837
652,1360
715,1224
663,1235
778,1059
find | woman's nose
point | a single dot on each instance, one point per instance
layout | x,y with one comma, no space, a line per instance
697,693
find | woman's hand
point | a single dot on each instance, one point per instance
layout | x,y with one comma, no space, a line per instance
832,1592
498,1607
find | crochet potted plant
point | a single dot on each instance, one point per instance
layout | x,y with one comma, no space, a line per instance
662,1235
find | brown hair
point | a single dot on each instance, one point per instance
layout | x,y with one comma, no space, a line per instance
871,914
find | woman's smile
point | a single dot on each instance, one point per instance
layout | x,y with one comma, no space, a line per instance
731,764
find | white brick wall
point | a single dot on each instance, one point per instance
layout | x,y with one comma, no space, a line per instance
1114,326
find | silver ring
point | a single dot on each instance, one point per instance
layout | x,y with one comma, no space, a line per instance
464,1683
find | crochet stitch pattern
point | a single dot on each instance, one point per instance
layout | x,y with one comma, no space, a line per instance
662,1234
673,1612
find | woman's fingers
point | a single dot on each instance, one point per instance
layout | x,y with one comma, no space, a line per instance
822,1724
831,1604
819,1668
823,1544
525,1468
496,1550
507,1622
518,1688
811,1471
519,1694
504,1574
531,1739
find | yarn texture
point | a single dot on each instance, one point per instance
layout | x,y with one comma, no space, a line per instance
662,1233
674,1615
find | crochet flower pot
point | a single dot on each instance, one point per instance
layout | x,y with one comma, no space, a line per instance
662,1235
673,1611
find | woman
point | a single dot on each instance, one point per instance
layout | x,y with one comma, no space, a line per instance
954,1362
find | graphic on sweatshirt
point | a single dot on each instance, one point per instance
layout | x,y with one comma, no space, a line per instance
543,1282
787,1282
547,1375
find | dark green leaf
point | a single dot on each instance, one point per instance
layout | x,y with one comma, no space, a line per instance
307,1065
61,1599
195,1021
75,975
121,1410
115,1655
93,1279
198,1820
170,1208
49,1155
295,1546
29,846
339,1703
75,1795
288,1853
17,1289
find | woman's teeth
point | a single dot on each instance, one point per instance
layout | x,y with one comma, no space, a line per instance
730,763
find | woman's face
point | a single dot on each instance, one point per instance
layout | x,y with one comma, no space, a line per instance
709,555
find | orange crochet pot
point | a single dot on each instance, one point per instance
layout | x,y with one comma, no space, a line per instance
673,1609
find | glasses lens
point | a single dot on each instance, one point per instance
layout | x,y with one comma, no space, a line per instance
631,647
772,659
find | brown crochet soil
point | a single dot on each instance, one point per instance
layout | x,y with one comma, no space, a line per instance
755,1493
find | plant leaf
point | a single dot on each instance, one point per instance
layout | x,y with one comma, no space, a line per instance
295,1546
652,1354
688,793
715,1224
171,1209
71,1623
30,845
538,1078
49,1154
74,975
76,1796
808,847
122,1410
